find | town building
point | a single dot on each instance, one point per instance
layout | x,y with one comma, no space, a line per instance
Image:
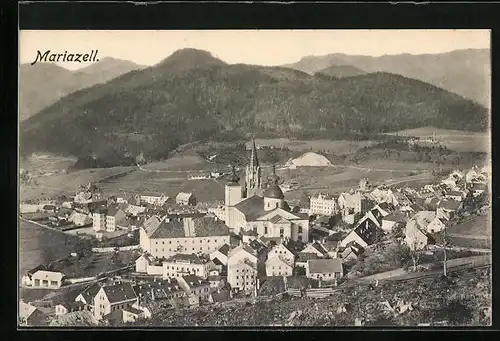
195,285
185,199
87,296
220,255
184,264
315,248
349,204
280,250
47,279
164,238
415,236
66,307
156,199
114,216
242,268
366,232
324,269
30,315
99,219
113,298
277,265
392,219
323,204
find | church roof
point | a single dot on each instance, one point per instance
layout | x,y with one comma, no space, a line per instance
252,207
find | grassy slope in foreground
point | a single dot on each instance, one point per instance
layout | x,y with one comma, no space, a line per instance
459,300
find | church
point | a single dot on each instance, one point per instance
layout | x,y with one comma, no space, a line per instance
263,211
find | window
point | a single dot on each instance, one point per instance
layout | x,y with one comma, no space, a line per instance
170,242
268,204
276,204
163,242
53,282
265,229
300,229
237,277
237,270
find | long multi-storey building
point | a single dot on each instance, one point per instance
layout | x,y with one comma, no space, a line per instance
167,237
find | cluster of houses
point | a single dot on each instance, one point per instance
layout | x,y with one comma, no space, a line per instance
419,212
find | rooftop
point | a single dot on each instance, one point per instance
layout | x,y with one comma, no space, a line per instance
119,292
187,258
325,265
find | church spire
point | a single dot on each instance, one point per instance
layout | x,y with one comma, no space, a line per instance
254,161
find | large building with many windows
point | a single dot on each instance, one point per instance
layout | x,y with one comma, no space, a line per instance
165,237
323,204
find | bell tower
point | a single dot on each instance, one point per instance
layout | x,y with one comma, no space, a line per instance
253,181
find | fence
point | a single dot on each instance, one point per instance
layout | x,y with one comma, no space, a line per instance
312,293
79,280
112,248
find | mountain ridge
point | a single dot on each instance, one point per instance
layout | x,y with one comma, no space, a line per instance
195,97
465,72
43,84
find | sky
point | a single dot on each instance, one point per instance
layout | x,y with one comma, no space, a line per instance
260,47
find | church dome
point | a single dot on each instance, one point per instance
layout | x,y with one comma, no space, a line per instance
274,192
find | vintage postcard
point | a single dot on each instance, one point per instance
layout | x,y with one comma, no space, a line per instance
254,178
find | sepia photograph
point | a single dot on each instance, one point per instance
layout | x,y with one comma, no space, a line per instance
254,178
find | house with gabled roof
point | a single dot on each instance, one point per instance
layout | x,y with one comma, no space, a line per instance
194,285
392,219
366,232
185,199
221,254
415,236
30,315
436,225
65,307
325,269
242,267
114,216
315,248
113,298
87,296
277,265
351,251
282,251
143,262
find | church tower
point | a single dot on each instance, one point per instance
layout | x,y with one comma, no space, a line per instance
273,196
233,195
253,182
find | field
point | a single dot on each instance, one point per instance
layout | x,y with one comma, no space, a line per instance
168,183
44,163
329,146
181,162
66,184
474,233
461,141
